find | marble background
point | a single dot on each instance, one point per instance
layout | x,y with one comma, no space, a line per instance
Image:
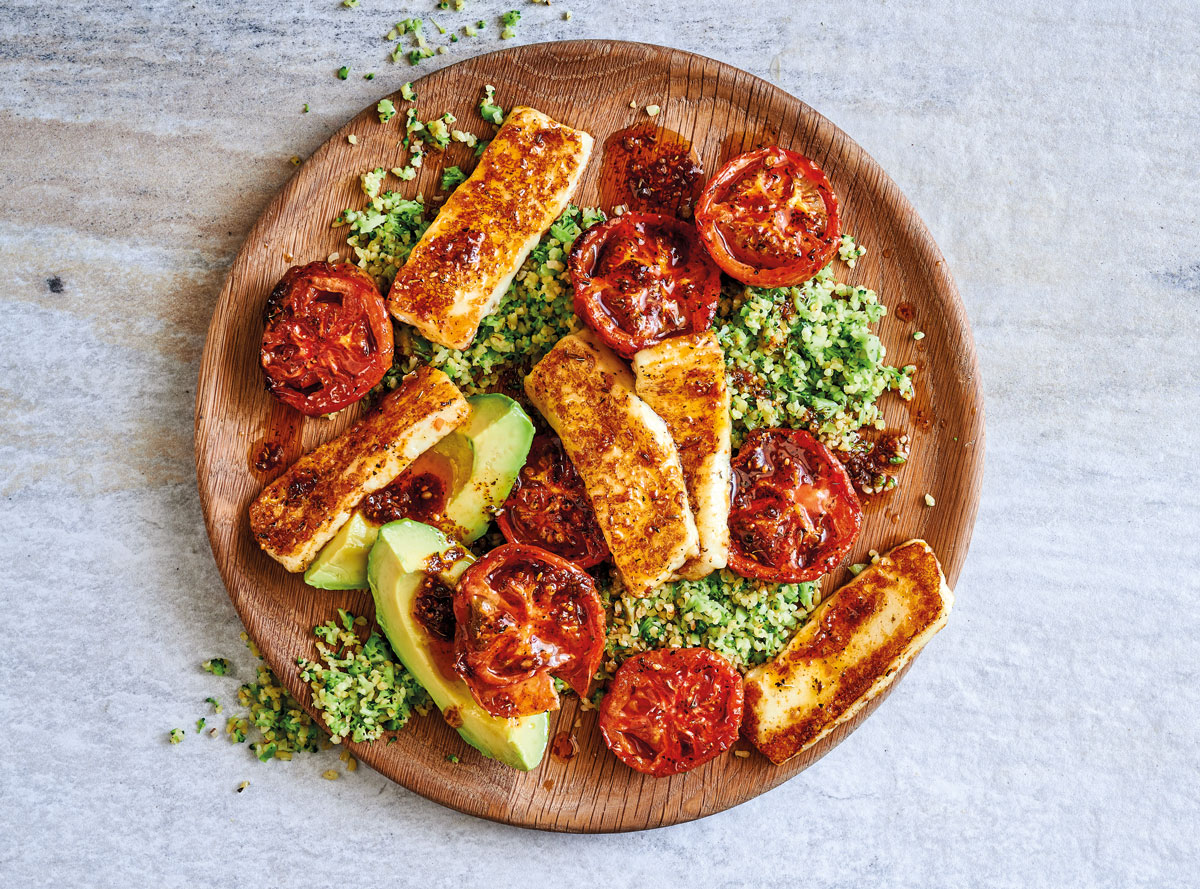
1049,739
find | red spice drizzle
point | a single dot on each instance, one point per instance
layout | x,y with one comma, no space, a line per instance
564,746
419,493
269,456
650,169
870,464
433,609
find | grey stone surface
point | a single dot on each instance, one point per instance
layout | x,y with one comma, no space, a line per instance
1049,738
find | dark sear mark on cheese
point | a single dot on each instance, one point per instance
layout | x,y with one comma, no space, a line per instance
460,248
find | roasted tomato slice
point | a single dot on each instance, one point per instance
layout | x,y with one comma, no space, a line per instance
643,277
549,508
769,218
524,615
670,710
794,513
327,339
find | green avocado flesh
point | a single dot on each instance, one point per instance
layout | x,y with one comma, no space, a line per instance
479,460
499,432
342,562
404,555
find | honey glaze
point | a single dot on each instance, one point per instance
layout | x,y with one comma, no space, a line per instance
650,169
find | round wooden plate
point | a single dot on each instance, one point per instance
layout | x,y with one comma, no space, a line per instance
590,85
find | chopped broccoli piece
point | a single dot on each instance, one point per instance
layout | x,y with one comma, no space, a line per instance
176,735
439,130
218,666
372,181
386,110
343,72
412,125
451,177
488,108
406,91
360,688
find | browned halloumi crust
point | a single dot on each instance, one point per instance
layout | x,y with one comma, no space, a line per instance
303,509
624,455
463,264
683,380
849,651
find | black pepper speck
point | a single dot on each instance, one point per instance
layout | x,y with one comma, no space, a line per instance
55,284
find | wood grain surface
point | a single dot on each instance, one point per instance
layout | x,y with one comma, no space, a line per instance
590,85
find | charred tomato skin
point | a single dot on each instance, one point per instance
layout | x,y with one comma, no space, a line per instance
522,616
793,514
327,338
670,710
769,218
640,278
549,508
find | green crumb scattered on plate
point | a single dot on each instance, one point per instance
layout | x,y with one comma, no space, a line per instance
452,177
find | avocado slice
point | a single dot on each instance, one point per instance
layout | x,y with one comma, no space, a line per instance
342,562
398,566
499,433
480,461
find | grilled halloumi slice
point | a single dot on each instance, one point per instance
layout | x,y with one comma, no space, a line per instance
303,509
463,264
683,380
853,645
624,454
